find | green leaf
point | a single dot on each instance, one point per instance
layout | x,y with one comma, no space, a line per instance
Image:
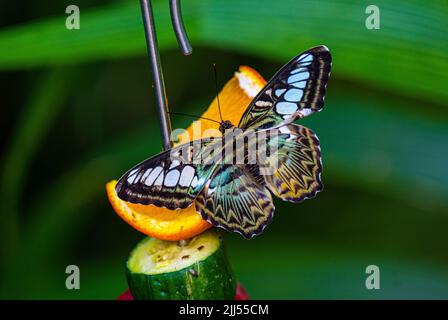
287,270
407,55
41,109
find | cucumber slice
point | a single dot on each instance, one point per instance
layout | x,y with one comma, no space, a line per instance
188,269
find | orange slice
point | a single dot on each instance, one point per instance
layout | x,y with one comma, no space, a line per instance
182,224
157,222
234,99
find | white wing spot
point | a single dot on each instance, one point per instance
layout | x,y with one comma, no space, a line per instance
261,103
210,191
174,164
159,180
293,95
153,176
194,183
305,58
132,175
186,176
299,70
299,77
305,64
171,178
279,92
284,129
286,107
300,84
306,112
146,174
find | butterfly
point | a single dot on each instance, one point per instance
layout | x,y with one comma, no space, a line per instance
237,196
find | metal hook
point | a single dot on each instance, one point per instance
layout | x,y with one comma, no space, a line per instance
154,59
179,28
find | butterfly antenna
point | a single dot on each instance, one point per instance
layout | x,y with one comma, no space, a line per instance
191,116
217,93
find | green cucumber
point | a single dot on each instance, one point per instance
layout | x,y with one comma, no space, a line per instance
191,269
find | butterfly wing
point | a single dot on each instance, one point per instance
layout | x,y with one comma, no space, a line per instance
171,179
294,164
233,200
295,91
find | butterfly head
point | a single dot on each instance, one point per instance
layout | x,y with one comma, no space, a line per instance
225,125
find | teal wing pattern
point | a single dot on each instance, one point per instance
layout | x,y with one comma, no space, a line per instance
295,91
292,171
171,179
234,200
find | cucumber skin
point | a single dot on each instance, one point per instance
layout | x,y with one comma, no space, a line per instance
209,279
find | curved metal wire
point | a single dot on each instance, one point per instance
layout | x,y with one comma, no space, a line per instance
154,59
179,27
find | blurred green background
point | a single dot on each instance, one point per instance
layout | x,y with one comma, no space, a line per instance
78,110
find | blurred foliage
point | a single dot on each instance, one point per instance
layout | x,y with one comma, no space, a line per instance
78,110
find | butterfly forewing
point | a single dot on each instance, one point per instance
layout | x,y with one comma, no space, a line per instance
295,91
171,179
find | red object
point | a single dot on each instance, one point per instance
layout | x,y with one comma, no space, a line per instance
126,295
241,294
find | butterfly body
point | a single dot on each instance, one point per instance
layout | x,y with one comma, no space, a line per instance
230,178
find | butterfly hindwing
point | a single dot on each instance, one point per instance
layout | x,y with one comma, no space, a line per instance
295,164
233,200
295,91
171,179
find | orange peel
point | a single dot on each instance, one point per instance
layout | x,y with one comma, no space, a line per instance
182,224
157,222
